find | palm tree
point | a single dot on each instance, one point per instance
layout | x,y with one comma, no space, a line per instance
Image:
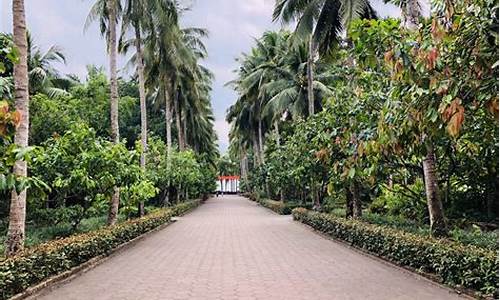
288,92
17,214
321,22
43,77
107,12
136,16
188,90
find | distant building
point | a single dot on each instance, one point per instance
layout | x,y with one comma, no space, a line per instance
228,184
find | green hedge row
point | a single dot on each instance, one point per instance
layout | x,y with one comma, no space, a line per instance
276,206
455,264
251,196
41,262
280,207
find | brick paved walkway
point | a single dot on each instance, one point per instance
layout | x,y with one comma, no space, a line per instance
230,248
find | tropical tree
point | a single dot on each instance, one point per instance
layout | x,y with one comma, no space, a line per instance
17,214
43,77
321,24
136,15
107,13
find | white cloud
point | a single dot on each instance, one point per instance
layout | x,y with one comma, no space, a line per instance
258,7
222,128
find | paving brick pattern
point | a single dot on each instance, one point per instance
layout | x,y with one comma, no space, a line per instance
230,248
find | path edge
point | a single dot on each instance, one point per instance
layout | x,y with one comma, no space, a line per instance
55,281
430,278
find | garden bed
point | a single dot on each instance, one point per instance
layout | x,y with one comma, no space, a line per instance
39,263
461,266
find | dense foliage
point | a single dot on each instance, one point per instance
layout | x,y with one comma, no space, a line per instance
407,121
105,144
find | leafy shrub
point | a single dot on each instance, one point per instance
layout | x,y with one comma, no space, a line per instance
455,264
251,196
37,264
280,207
476,237
276,206
397,201
55,216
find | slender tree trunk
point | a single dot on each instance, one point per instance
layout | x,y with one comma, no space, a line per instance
277,133
244,165
115,133
310,77
356,200
278,142
315,197
178,196
261,142
168,122
184,128
142,101
180,131
256,152
434,205
261,154
349,210
17,214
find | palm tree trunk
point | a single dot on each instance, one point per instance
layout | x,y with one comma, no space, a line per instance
180,132
256,152
310,77
244,165
168,121
184,127
277,132
261,153
17,214
261,142
434,204
278,142
115,133
142,101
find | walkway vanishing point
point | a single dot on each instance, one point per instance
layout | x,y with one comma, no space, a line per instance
230,248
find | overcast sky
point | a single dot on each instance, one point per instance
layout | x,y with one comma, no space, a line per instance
232,24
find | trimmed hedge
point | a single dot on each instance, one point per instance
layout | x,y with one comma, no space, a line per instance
250,196
41,262
280,207
276,206
455,264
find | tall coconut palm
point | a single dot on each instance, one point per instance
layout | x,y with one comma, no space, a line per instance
136,15
17,213
321,22
107,12
190,49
